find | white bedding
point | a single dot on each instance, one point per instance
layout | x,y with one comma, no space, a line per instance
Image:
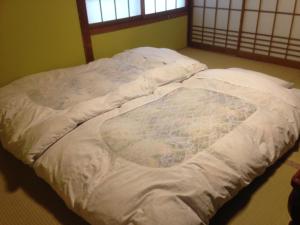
38,110
176,156
155,148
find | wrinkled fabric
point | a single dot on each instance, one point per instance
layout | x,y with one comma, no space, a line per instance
174,156
38,110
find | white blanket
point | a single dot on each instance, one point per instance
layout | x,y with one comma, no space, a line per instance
174,156
38,110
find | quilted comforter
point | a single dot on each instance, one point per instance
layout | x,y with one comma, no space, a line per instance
38,110
173,153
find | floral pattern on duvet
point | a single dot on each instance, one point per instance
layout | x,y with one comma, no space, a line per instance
172,129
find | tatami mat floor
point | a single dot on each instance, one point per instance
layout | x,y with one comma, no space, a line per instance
27,200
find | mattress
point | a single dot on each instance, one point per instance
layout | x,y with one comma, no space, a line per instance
173,151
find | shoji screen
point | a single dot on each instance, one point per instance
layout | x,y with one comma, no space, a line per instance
262,29
216,23
272,28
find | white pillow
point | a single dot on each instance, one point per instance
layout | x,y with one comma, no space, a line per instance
278,81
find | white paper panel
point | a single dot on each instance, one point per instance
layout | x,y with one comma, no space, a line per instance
247,40
197,30
283,40
196,34
237,4
295,42
250,20
248,35
196,40
199,3
235,38
276,55
266,23
232,32
198,16
223,32
295,53
122,9
252,4
269,5
232,47
283,25
224,4
135,7
93,11
206,29
221,35
247,45
293,58
279,47
180,3
222,18
286,6
160,6
278,50
211,3
264,37
208,36
235,19
149,6
171,4
208,41
209,18
259,52
220,44
220,38
261,48
108,10
231,43
263,42
246,49
298,7
295,48
296,28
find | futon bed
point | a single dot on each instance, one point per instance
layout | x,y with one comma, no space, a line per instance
148,137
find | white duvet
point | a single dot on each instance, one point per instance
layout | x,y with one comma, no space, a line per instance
39,109
176,156
172,155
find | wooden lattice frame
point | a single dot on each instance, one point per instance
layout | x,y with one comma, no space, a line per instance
243,43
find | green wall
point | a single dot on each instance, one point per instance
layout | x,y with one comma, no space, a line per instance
169,34
39,35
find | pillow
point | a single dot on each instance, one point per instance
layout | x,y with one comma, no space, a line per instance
278,81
